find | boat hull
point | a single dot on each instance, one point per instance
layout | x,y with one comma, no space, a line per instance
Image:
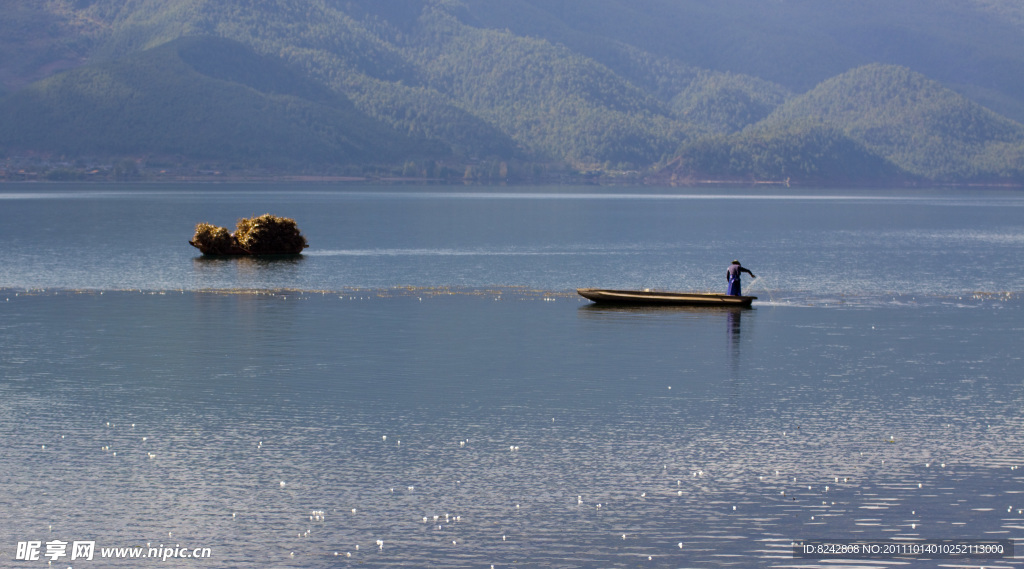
662,298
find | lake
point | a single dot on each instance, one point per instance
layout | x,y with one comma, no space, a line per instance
424,388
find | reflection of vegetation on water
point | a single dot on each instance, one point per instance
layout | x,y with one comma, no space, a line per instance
249,268
249,260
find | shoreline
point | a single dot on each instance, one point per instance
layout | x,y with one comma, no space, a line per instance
582,181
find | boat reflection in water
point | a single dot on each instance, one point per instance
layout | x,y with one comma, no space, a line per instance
678,315
734,317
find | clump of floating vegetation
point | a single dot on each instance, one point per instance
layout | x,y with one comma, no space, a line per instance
263,235
269,234
213,240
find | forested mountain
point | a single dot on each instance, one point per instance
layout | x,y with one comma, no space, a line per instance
866,125
910,120
201,98
806,90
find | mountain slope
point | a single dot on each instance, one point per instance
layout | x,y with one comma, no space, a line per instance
36,42
912,121
970,45
612,84
349,48
800,153
200,98
549,99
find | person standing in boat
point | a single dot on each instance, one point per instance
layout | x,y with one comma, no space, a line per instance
732,274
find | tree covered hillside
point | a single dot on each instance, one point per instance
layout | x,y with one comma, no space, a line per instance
912,121
972,46
200,98
801,153
871,124
843,92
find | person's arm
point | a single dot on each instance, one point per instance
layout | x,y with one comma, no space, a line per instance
749,272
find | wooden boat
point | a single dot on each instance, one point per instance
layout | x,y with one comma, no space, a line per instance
656,298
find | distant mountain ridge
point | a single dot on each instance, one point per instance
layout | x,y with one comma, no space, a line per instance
850,93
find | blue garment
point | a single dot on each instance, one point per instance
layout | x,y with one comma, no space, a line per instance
734,286
732,274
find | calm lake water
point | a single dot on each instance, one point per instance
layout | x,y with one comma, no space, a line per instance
423,387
